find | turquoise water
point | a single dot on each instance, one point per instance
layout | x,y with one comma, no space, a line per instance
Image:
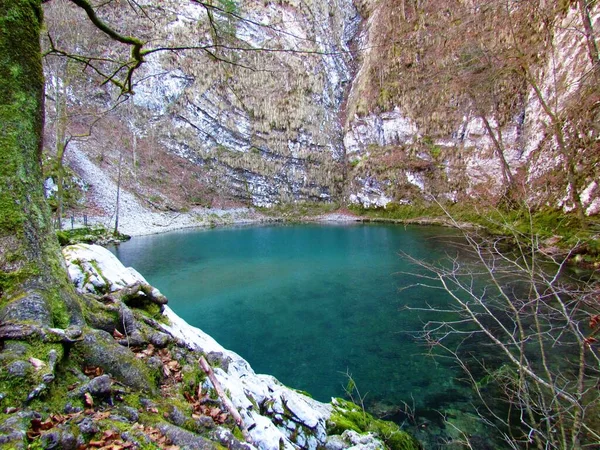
308,303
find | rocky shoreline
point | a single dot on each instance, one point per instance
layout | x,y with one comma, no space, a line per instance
130,377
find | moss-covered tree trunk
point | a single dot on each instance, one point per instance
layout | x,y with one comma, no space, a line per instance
33,283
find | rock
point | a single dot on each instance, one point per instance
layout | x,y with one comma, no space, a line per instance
204,423
129,413
13,431
70,409
335,443
51,439
359,441
185,439
14,348
98,348
176,417
95,270
159,339
73,332
58,438
155,363
88,426
18,369
100,386
218,359
68,441
147,403
227,439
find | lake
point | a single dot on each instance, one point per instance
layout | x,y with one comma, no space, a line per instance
312,303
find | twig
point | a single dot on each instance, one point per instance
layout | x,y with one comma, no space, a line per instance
224,398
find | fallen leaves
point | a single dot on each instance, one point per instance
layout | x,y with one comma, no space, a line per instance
107,440
38,426
88,400
110,440
156,436
93,371
200,408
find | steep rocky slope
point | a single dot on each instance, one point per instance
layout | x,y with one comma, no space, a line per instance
365,102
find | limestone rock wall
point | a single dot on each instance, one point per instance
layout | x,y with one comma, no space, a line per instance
415,126
365,102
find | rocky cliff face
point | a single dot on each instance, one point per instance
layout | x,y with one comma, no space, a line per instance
459,102
260,127
365,102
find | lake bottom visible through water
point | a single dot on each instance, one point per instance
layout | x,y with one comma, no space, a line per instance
313,304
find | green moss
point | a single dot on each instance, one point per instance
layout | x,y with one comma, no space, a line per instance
542,224
348,416
16,388
299,210
88,235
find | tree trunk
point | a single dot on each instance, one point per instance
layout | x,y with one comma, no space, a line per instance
61,133
116,230
590,35
567,153
33,281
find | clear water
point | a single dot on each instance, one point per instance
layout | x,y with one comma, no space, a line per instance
307,303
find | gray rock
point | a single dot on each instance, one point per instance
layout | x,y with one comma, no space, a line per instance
365,441
130,413
226,438
204,423
119,418
19,369
73,332
51,439
13,430
31,308
15,348
147,403
185,439
98,348
159,339
137,438
219,360
335,443
68,441
70,409
155,363
176,417
100,386
87,426
181,354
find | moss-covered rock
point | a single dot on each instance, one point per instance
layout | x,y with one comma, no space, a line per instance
90,235
348,416
98,348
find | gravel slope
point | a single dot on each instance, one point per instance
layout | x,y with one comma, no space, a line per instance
134,218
